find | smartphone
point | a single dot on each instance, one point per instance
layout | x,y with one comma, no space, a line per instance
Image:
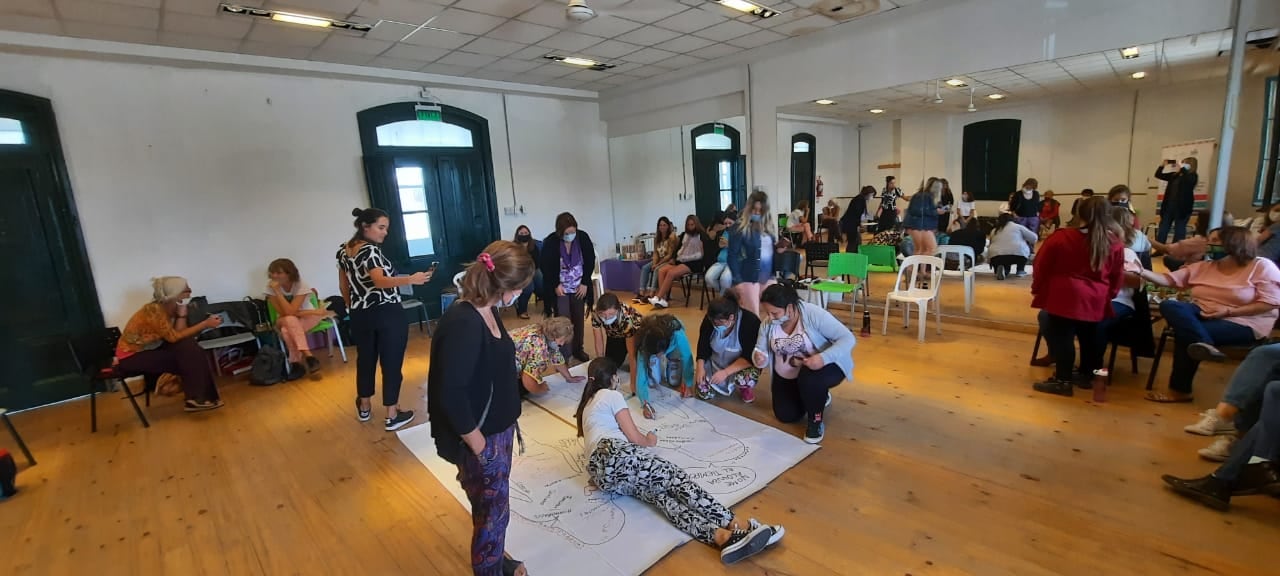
433,267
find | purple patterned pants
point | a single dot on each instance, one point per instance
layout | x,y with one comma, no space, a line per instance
488,488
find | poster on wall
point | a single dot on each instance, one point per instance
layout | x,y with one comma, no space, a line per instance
1204,151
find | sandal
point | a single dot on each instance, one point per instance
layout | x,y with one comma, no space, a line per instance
1167,397
510,565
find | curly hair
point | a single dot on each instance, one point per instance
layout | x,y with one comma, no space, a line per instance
654,333
557,327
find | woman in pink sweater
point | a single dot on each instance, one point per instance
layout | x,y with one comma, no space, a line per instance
1235,297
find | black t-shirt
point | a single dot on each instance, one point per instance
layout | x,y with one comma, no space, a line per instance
468,362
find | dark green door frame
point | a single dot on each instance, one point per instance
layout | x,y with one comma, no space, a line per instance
706,167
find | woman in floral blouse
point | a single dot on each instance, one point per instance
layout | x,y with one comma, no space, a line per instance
614,325
539,348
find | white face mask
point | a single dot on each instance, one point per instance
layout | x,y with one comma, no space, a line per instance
1186,166
1026,193
509,302
184,301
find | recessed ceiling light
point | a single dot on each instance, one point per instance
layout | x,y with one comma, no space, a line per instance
294,18
876,111
956,83
824,102
1129,53
996,96
749,8
576,61
300,19
1138,75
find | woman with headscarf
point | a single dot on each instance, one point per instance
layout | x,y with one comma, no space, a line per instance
159,339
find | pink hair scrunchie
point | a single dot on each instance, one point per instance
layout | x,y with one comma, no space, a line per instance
487,260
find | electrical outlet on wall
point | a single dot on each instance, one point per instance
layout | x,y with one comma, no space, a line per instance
509,210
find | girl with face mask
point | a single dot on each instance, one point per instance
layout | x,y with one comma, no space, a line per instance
470,400
618,463
614,325
810,351
524,237
752,245
725,340
567,263
160,339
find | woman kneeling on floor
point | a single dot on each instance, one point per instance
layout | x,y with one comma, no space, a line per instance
725,340
661,337
540,346
618,463
159,340
811,353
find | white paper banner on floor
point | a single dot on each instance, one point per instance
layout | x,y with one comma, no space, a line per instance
560,524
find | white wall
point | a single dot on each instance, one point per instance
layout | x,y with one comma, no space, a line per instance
209,174
831,161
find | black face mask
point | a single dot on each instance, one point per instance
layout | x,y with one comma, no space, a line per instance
1216,252
1119,202
522,238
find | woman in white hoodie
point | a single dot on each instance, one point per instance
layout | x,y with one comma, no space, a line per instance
1010,247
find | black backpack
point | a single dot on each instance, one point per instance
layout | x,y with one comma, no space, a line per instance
268,367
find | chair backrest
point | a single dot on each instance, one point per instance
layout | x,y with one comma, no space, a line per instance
820,251
405,290
848,264
914,266
962,252
95,349
272,313
880,255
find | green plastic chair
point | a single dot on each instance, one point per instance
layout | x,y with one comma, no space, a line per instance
882,258
843,265
326,324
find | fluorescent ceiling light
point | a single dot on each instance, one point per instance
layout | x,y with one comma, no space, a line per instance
1138,75
956,83
824,102
1129,53
300,19
996,96
876,111
577,61
749,8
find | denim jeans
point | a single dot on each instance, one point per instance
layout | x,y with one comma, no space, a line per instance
1250,379
535,287
1263,440
649,277
719,278
1179,229
1189,328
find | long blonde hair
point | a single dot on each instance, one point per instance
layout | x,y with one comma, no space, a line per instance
765,224
1095,217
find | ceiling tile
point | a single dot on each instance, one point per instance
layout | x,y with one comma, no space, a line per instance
447,69
503,8
194,42
588,75
553,70
466,22
156,4
397,63
650,11
715,51
467,59
275,50
570,41
625,67
198,7
407,11
648,36
595,86
390,31
228,26
354,45
679,61
727,12
691,20
784,18
487,74
493,47
424,54
805,25
648,56
439,38
565,83
726,31
647,71
757,39
103,13
613,49
30,24
272,33
110,33
36,8
684,44
511,65
350,58
547,14
532,53
606,26
522,32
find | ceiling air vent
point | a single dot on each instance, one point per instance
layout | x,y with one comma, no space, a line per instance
842,10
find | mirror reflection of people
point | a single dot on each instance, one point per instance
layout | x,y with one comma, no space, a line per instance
160,339
887,213
725,340
946,205
618,463
1025,205
1011,246
921,220
851,222
1049,219
1179,197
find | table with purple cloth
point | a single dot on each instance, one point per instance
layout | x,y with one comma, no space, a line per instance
621,275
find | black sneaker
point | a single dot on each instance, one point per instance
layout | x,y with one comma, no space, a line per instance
1208,490
743,544
296,371
313,364
778,531
402,417
1055,386
814,432
362,414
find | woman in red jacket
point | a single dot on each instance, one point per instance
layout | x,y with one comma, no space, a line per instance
1076,274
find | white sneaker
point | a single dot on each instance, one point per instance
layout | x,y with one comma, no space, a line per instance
1220,450
778,531
1211,425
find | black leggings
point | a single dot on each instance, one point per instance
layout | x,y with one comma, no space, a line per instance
616,349
806,394
574,309
1061,333
380,335
1008,262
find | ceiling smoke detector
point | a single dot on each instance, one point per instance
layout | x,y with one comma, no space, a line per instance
578,11
842,10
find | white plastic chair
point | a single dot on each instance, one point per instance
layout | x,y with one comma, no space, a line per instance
967,261
918,296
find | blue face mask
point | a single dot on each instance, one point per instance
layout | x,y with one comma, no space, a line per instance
1217,252
720,330
755,217
570,236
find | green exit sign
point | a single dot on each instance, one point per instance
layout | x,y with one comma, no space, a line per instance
718,129
427,113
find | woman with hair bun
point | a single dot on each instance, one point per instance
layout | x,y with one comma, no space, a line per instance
378,329
473,396
158,339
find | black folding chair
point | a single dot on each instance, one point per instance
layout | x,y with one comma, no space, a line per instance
94,354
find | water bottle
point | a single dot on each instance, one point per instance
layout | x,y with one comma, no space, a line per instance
866,321
1100,385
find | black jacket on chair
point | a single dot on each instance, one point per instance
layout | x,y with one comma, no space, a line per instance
549,263
1182,187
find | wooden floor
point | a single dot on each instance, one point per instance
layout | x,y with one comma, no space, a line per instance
938,459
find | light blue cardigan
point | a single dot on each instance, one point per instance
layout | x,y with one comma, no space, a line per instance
833,339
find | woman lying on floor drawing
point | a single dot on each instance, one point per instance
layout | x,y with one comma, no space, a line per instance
618,463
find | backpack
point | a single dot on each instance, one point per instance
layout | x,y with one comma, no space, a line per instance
268,367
